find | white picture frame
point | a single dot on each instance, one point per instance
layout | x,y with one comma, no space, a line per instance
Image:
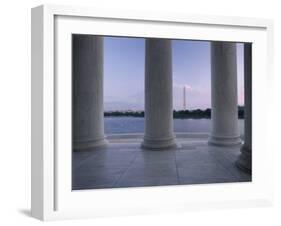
52,197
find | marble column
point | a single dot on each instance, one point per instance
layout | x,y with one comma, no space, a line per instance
224,94
158,95
87,92
245,159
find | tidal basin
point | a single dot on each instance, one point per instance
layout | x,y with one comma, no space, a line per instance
114,125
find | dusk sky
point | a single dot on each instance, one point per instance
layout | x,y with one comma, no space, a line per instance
124,73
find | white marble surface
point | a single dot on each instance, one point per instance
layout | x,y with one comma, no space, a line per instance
158,95
224,94
124,164
88,119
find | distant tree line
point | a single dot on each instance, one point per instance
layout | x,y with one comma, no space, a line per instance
124,113
240,112
197,113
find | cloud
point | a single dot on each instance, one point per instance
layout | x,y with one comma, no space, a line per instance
180,86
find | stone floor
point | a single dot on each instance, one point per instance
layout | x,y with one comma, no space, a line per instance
126,165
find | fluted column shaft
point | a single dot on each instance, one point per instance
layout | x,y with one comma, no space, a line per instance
87,97
158,95
245,159
224,94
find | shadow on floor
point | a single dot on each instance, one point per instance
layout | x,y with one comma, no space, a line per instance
25,212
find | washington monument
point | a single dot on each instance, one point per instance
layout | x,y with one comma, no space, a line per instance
184,98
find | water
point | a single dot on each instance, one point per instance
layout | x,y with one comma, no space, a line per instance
119,125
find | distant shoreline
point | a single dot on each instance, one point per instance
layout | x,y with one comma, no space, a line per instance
181,114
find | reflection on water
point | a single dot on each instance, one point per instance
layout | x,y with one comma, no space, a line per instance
136,125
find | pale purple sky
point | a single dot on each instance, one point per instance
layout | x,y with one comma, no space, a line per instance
124,73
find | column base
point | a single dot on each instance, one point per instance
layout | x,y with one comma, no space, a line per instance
244,161
90,144
159,144
224,141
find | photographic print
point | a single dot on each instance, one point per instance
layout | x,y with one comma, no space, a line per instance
158,112
144,113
